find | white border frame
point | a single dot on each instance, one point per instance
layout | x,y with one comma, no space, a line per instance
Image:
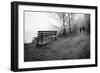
22,64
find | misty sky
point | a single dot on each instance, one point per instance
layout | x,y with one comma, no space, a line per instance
37,21
41,21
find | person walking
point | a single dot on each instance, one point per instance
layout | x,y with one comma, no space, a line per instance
80,29
83,28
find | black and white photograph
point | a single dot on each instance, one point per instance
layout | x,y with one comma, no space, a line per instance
56,36
52,36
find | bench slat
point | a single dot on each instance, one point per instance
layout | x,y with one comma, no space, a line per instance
45,36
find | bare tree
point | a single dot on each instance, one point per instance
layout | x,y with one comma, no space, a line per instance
69,19
65,18
62,19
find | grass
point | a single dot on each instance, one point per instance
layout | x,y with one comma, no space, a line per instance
71,46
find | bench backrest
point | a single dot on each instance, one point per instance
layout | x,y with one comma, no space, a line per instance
47,33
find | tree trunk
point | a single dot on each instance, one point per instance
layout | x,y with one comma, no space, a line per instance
69,26
64,30
69,22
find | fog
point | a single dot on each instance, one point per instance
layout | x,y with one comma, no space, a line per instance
38,21
42,21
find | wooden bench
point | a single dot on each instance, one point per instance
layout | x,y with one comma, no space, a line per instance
45,36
